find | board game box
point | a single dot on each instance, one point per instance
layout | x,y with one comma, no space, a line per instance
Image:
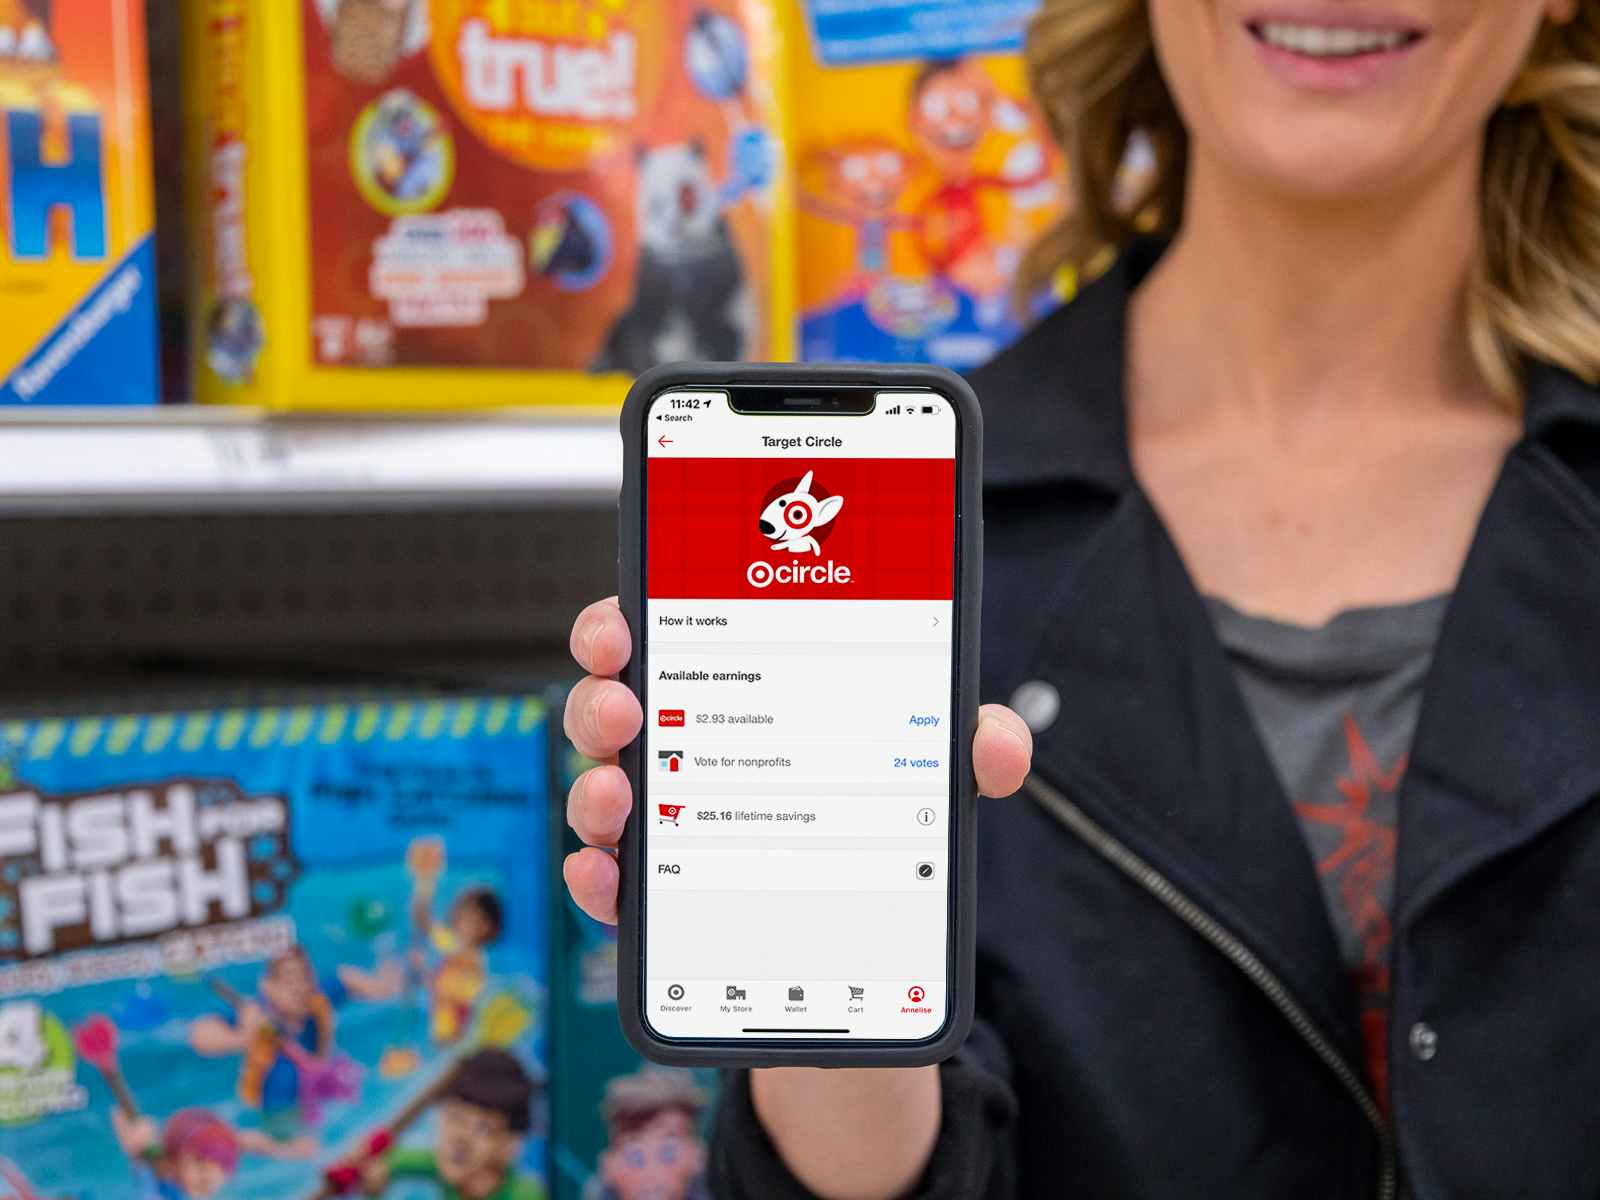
275,952
923,174
77,256
622,1129
444,203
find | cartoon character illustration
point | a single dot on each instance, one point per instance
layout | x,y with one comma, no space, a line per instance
369,36
404,148
474,923
285,1038
791,519
716,57
864,182
953,104
940,224
478,1076
25,31
563,245
485,1109
192,1156
233,338
654,1151
570,242
690,298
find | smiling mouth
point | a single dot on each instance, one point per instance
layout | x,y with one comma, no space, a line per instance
1324,42
958,139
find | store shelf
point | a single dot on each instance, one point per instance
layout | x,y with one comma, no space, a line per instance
200,459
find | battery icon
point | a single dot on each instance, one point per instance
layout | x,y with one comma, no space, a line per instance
928,408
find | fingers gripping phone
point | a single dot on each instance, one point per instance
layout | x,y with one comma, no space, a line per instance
800,562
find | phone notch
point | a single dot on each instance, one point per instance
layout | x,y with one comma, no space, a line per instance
764,401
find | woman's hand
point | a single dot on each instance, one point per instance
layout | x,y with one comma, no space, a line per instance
861,1134
603,716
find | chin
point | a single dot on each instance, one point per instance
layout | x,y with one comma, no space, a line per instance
1327,160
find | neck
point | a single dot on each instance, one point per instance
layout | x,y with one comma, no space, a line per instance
1276,307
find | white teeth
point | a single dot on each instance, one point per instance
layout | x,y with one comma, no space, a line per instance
1322,41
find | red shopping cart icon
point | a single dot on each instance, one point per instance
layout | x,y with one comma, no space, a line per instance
669,812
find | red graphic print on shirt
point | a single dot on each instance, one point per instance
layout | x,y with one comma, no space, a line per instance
1362,864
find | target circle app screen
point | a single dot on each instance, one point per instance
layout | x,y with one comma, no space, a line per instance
799,632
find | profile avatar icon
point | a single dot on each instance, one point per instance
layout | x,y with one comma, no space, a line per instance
792,518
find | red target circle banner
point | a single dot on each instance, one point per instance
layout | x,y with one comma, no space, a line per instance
895,531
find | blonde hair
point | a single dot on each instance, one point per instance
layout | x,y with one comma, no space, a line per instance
1536,288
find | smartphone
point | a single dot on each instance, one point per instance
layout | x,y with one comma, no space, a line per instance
800,557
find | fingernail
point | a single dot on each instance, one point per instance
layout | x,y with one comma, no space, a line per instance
594,711
575,795
997,723
589,639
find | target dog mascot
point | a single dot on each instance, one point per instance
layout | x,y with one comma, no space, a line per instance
791,519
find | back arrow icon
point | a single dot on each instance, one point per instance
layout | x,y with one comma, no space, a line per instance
663,441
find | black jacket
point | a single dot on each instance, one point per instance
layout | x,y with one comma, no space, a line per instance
1163,1012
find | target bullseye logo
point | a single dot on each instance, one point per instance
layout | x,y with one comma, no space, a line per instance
797,514
759,574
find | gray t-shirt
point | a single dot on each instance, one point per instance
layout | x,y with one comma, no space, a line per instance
1337,705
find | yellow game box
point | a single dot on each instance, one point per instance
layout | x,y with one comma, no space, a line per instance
450,203
924,172
77,256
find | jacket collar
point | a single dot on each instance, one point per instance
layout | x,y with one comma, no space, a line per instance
1157,743
1061,418
1508,740
1558,403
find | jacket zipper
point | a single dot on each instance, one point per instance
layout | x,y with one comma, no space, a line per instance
1236,952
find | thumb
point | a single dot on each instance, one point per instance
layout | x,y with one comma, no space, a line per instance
1002,750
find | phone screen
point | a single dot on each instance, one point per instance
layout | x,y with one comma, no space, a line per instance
799,626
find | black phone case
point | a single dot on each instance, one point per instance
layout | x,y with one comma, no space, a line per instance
630,564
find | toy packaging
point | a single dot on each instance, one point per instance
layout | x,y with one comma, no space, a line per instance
923,174
622,1129
457,202
77,256
275,953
